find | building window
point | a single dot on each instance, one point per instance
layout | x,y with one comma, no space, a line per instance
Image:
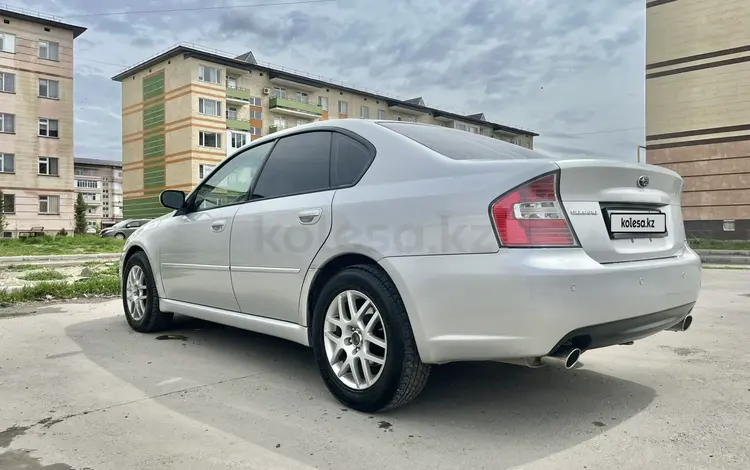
232,113
474,130
49,166
238,140
89,184
49,204
302,97
256,131
323,102
209,74
256,102
364,112
7,123
209,139
343,107
8,82
728,226
205,170
49,88
9,204
7,161
8,42
49,127
301,122
381,114
279,92
256,115
209,107
460,127
232,83
49,50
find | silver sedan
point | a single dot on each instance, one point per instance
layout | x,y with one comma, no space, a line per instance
391,246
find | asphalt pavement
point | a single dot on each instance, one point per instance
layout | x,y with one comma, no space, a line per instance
80,390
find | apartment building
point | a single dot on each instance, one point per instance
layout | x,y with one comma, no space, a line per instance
187,109
698,108
36,122
100,183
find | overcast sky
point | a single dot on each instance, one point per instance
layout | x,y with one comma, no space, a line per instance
572,71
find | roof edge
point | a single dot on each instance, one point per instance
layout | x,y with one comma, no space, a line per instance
77,30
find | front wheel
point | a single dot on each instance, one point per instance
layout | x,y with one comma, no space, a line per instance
363,341
120,236
140,298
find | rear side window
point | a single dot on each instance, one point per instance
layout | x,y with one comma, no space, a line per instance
350,159
299,163
461,145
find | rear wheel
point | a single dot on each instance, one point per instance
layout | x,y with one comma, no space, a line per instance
363,341
140,298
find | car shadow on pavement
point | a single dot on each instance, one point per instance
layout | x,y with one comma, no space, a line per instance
520,414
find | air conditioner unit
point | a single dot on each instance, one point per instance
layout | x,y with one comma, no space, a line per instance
266,91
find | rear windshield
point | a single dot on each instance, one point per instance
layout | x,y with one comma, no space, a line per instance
461,145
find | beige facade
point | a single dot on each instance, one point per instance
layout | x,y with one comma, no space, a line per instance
100,183
698,108
36,122
186,110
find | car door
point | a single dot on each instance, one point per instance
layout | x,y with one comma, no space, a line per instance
194,248
277,234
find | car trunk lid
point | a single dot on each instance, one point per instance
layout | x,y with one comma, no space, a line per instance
623,212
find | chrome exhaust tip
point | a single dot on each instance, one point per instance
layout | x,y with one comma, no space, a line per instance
565,357
683,325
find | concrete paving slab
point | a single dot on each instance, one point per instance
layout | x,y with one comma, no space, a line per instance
79,389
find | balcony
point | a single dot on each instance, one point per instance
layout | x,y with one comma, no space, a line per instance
294,108
239,96
239,124
276,128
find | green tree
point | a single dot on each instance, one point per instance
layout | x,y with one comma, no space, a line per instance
80,215
3,221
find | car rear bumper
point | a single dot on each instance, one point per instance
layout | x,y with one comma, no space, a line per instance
525,303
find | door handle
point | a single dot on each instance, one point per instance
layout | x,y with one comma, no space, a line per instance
310,216
218,225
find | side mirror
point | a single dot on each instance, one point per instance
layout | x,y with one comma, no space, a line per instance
172,199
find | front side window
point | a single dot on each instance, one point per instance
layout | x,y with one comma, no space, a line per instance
209,74
49,127
49,204
231,183
49,88
298,164
7,123
8,82
49,50
7,163
49,166
209,139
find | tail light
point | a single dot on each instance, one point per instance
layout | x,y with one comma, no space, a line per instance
533,216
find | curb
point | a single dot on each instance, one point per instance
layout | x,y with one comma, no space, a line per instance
727,257
58,260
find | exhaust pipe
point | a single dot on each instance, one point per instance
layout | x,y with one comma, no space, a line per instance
683,325
565,357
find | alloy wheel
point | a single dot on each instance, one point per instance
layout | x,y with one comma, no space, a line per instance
137,293
355,339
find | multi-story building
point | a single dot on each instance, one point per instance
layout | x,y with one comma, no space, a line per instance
100,183
698,108
185,110
36,122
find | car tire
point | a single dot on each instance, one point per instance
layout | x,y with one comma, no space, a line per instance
143,314
402,375
120,236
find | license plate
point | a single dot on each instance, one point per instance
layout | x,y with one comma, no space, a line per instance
638,222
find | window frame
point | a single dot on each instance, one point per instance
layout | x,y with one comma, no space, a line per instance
47,96
3,156
3,126
49,166
3,36
201,141
202,74
11,195
48,124
47,212
49,50
364,112
345,106
5,81
202,107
